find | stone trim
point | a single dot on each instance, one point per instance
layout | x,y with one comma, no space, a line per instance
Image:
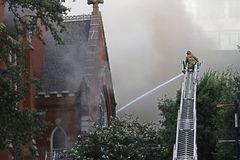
77,18
55,94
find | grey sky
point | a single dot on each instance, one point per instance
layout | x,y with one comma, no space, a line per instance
148,39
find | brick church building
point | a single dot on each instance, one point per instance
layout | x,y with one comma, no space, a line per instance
76,84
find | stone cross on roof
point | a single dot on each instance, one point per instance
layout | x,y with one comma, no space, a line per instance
95,1
95,6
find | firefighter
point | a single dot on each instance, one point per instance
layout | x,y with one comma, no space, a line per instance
190,61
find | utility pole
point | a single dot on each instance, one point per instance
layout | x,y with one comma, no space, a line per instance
235,105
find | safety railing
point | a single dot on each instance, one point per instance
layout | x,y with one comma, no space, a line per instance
53,155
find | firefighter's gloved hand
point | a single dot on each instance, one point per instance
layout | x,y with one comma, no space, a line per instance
183,71
198,65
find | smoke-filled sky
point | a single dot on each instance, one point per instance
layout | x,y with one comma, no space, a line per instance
148,39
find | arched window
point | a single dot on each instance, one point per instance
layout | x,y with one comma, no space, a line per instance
58,139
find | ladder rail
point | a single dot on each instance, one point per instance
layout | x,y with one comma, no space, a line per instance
195,111
179,117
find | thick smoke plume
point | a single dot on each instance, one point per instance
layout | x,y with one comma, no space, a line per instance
147,40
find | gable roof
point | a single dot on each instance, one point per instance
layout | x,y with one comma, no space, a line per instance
63,65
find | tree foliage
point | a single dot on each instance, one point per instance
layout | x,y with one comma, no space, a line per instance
209,94
17,128
30,17
124,139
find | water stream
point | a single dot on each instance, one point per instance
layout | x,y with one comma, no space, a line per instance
148,92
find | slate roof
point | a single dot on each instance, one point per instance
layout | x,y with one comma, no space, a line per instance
63,65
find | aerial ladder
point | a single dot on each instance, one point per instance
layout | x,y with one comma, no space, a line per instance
185,147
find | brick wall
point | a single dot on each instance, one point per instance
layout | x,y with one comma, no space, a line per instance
1,11
33,61
60,112
5,155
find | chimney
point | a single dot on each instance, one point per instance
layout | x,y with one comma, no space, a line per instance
95,6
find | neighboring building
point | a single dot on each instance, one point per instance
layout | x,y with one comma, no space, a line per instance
220,19
76,83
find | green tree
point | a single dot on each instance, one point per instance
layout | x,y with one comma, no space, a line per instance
19,128
210,92
123,139
225,116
